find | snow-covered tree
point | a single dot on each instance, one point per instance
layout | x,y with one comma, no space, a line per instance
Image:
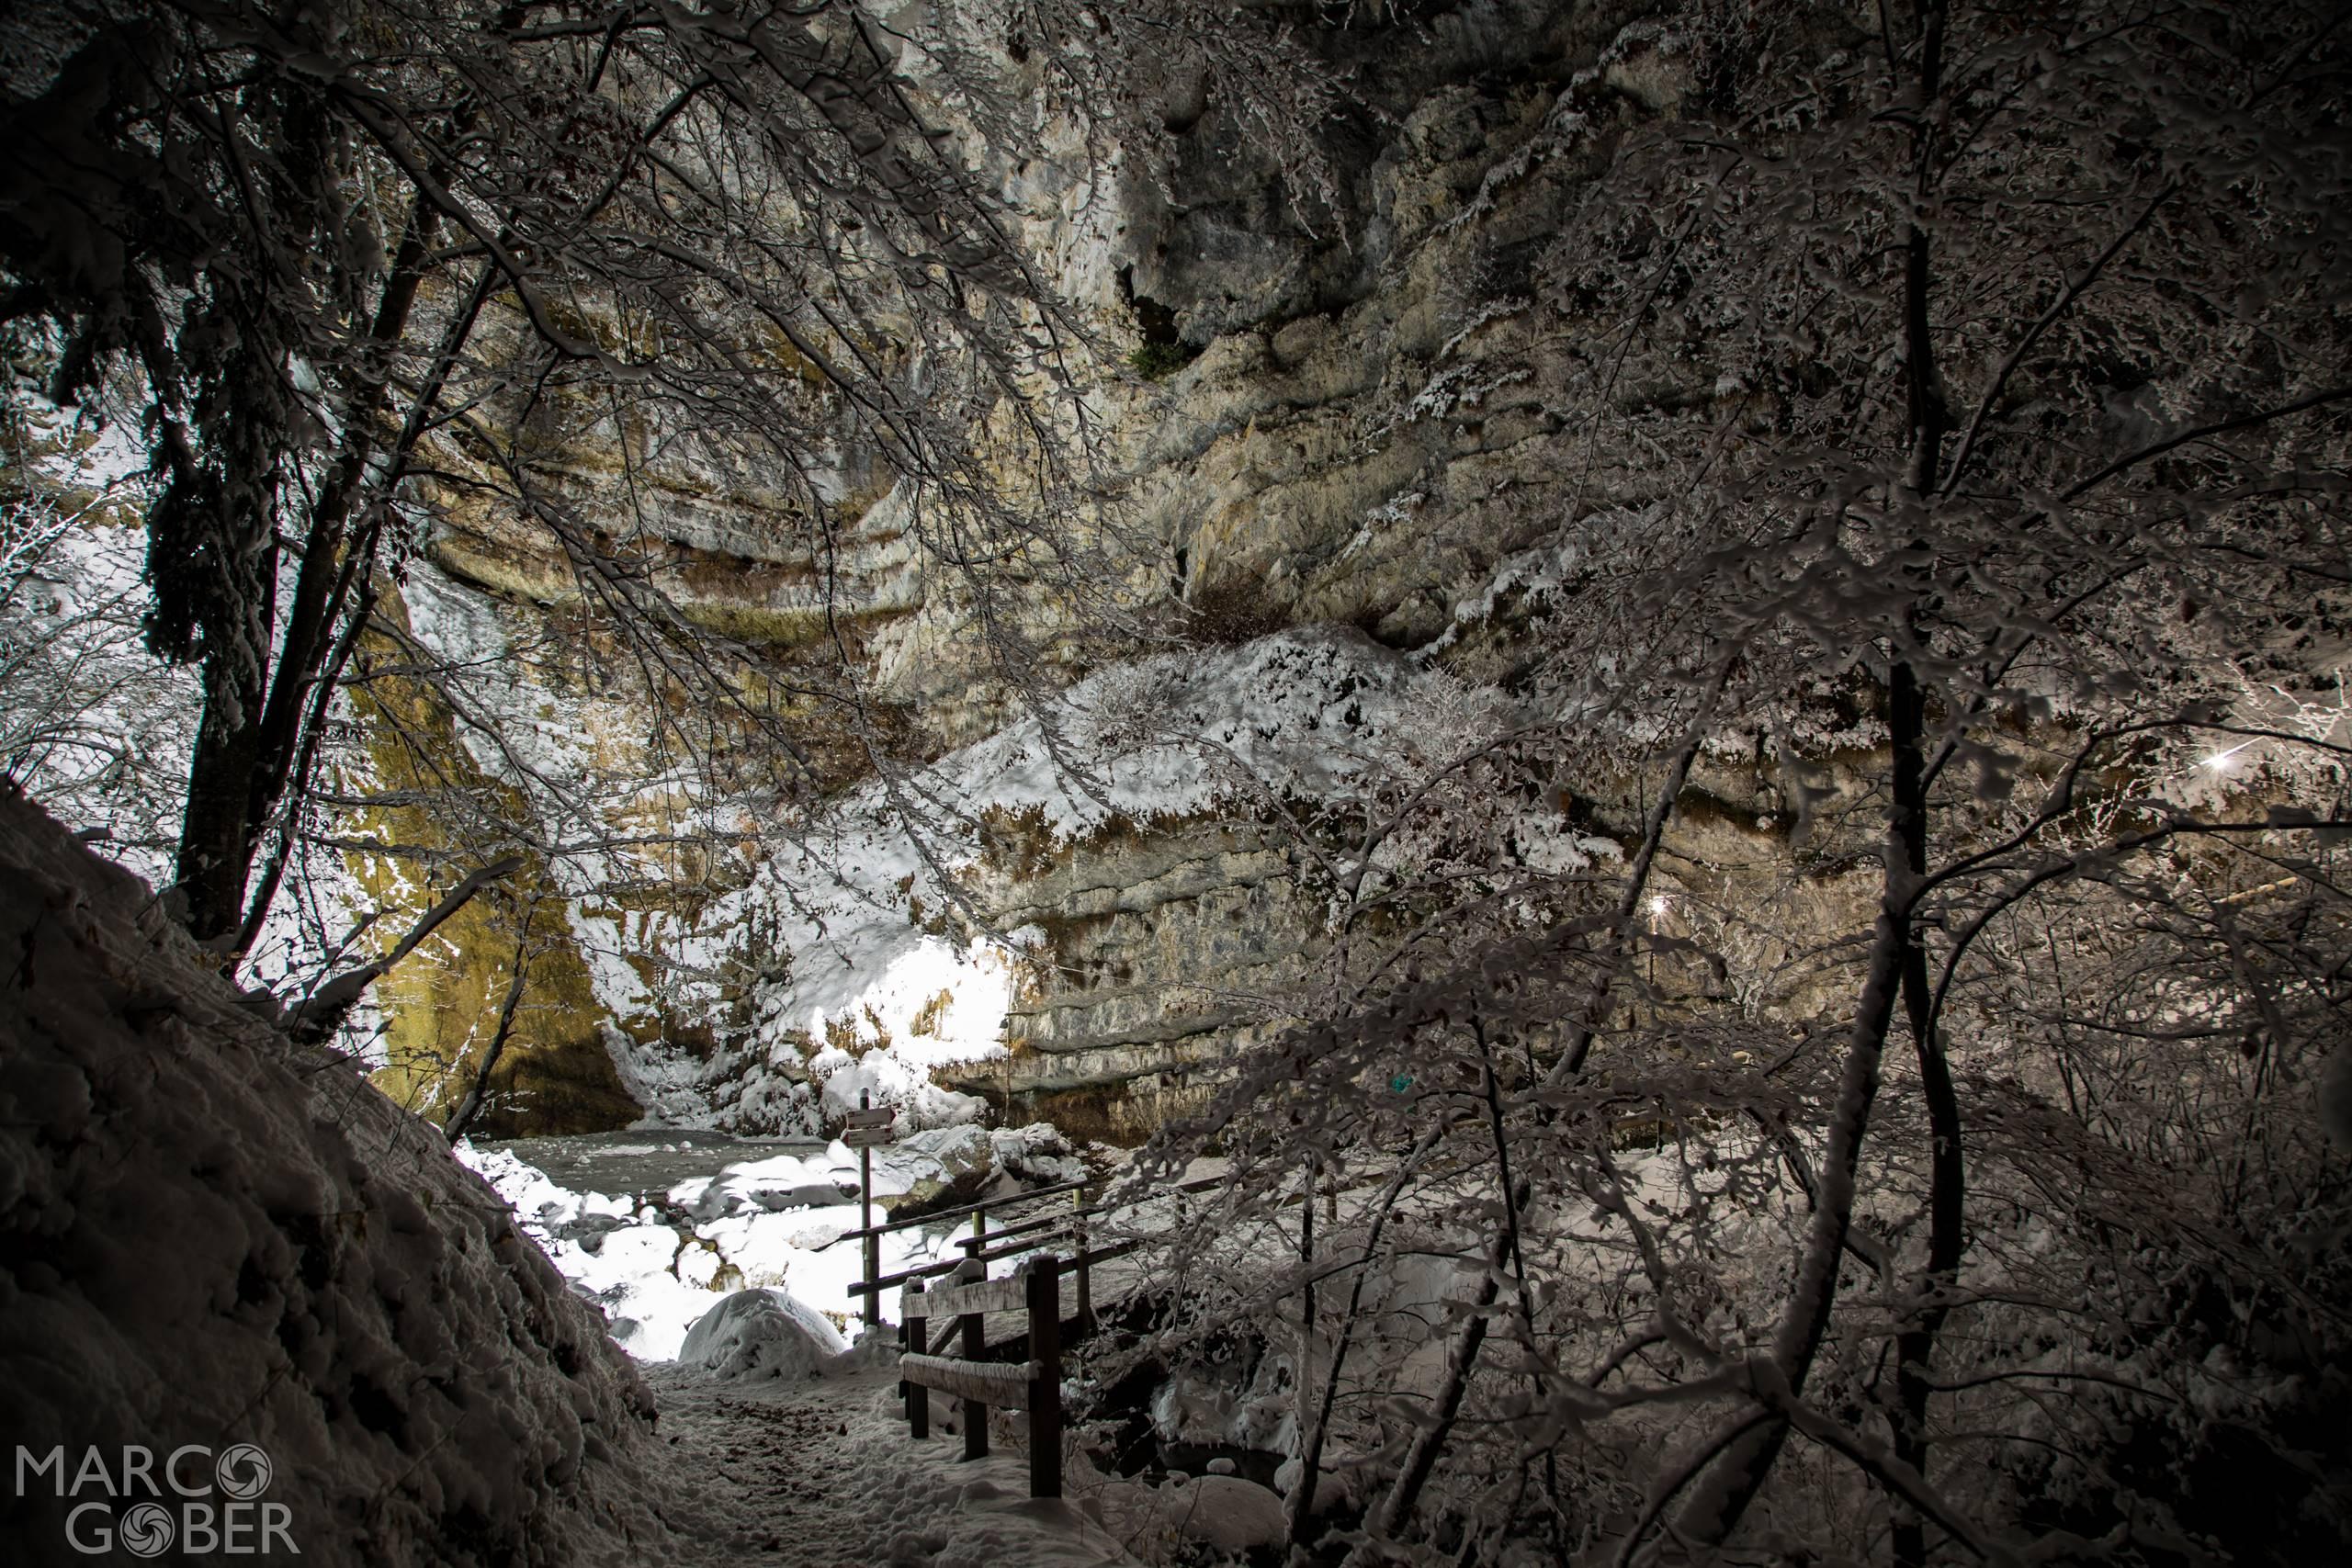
1989,374
376,271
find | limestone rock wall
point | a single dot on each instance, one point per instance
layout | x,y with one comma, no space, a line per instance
1161,953
1354,416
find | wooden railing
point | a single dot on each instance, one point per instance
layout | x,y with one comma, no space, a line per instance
1034,1385
960,1309
984,1245
869,1240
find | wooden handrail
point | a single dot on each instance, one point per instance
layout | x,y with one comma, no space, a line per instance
1004,1383
1013,1249
969,1242
980,1296
1198,1184
978,1249
1034,1385
929,1271
1095,1255
957,1213
1046,1222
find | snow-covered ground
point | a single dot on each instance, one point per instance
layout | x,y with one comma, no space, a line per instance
656,1258
822,1474
774,1443
784,1443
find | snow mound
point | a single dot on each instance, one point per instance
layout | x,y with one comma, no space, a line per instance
1220,1512
1225,1512
762,1333
226,1242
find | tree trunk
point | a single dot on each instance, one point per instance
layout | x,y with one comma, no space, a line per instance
1929,418
215,849
256,685
1915,1346
479,1094
1729,1485
1310,1458
1397,1506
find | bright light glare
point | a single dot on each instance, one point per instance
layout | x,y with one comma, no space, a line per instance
2219,760
1660,904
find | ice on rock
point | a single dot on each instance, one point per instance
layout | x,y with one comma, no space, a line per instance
1037,1153
779,1182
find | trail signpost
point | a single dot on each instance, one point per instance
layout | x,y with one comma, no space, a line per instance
863,1129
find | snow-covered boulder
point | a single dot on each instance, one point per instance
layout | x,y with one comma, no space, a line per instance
232,1250
1335,1480
1225,1512
762,1333
1220,1512
931,1169
778,1184
1037,1154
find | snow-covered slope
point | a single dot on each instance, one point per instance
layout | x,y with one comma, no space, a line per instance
229,1260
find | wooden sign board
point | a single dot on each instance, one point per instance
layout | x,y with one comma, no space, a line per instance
878,1116
868,1137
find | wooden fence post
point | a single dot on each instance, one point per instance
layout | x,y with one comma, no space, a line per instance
910,1330
1084,1266
971,1271
869,1247
1045,1297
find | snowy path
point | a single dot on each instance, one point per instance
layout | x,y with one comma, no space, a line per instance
823,1475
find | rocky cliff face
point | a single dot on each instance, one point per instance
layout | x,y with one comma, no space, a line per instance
1351,417
1156,953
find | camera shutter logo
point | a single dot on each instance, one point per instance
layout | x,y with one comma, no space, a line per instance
243,1471
146,1530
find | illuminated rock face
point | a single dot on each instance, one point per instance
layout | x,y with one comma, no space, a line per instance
1350,426
1158,957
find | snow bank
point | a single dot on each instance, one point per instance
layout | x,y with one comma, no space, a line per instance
1220,1512
761,1332
223,1242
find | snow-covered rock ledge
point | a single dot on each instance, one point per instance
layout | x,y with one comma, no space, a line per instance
234,1271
